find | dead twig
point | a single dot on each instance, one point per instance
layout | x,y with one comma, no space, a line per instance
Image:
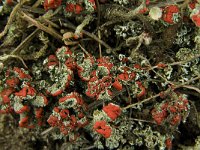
192,88
98,23
37,3
94,37
6,57
141,102
51,31
10,20
97,39
47,21
47,131
83,49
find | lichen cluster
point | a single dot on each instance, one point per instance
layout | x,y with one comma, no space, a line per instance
102,74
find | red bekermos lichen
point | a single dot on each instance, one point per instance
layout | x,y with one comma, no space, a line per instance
171,14
102,128
171,111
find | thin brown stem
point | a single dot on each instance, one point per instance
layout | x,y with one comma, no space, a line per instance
51,31
6,57
10,20
37,3
83,49
23,43
141,102
179,62
192,88
47,131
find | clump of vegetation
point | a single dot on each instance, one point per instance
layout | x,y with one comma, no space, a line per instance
100,74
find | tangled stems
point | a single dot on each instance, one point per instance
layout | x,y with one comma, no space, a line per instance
166,92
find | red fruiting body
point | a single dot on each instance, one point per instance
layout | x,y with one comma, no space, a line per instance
112,110
74,8
67,97
162,94
81,115
164,106
105,62
70,63
64,113
25,91
168,143
38,116
147,2
95,86
51,4
192,4
5,95
132,75
103,129
9,2
144,10
176,120
137,66
73,120
23,122
77,36
52,60
169,13
64,130
13,82
181,106
91,93
172,109
53,121
161,65
73,96
93,3
21,74
78,9
57,92
7,92
159,116
142,88
5,110
38,113
6,99
68,52
56,109
123,76
117,85
44,99
196,18
106,81
68,116
70,7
